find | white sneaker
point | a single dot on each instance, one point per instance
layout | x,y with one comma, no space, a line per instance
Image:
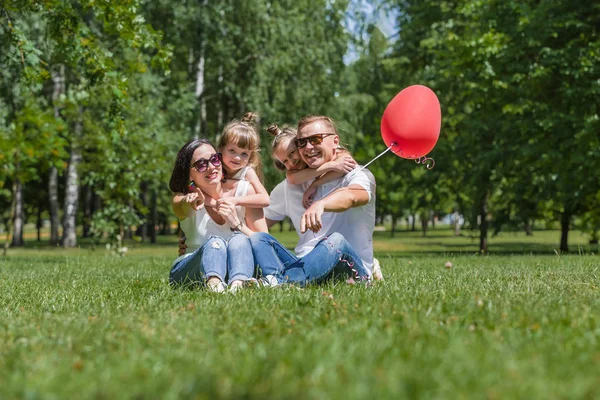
217,287
377,275
268,281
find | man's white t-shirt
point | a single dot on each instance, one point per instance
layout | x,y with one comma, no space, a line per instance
356,224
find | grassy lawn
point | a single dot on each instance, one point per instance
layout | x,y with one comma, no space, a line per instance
85,323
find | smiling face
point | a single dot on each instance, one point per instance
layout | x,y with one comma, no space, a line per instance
234,157
287,154
315,155
212,175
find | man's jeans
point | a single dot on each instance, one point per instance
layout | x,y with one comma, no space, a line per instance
331,257
230,260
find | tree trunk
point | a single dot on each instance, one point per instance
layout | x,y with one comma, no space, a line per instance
483,227
39,223
53,200
69,238
456,223
528,227
17,239
142,230
153,216
58,82
414,221
424,224
394,225
87,210
281,226
565,222
200,128
220,122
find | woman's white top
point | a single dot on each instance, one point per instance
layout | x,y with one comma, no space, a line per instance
200,227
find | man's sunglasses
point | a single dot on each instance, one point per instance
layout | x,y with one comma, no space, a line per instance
202,164
314,140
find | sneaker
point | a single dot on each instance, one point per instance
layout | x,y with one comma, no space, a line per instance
217,287
377,275
268,281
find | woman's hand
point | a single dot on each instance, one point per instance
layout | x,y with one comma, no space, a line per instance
194,200
343,164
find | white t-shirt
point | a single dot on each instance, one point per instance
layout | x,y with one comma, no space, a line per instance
200,227
356,224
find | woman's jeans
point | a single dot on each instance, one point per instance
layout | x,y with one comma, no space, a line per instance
331,257
231,260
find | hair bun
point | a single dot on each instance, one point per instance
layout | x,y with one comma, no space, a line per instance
250,118
274,130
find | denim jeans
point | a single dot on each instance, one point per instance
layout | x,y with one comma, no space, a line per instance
230,260
331,257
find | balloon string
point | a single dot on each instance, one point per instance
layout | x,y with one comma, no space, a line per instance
382,153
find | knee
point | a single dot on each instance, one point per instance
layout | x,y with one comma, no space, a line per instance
336,239
258,237
239,242
215,243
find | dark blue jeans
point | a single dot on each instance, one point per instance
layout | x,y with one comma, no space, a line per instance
332,257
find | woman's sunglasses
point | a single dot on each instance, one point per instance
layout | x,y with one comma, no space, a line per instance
314,140
202,164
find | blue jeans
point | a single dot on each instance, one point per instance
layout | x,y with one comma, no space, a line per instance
232,260
331,257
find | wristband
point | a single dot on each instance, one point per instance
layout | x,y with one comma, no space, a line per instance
238,227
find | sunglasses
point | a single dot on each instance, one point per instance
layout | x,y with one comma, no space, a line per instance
202,164
314,140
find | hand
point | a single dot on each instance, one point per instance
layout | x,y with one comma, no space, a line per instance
309,196
343,164
231,200
182,246
228,212
194,200
312,218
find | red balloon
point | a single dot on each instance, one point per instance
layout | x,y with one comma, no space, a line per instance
411,122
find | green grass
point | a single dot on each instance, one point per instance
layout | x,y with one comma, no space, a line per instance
87,324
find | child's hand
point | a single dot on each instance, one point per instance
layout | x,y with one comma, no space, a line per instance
230,200
343,164
309,196
194,200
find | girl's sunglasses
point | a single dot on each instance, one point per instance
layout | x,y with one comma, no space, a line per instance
202,164
314,140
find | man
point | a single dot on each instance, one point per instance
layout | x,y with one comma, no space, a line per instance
348,210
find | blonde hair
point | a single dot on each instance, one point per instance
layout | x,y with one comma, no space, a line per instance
244,133
279,134
317,118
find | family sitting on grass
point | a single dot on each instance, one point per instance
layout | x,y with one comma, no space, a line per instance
225,211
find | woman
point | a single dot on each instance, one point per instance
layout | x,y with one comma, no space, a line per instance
217,232
318,255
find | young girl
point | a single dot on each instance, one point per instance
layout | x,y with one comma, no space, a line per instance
327,172
240,144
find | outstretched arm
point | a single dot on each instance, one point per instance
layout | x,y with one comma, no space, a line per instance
185,204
